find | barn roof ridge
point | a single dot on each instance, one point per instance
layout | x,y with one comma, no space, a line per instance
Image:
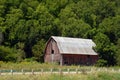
69,37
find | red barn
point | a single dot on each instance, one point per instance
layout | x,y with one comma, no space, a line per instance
67,51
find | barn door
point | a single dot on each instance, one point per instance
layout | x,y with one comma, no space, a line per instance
52,51
52,55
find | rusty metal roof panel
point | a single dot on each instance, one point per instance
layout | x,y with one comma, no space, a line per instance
69,45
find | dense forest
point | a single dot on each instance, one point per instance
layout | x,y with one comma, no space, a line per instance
26,25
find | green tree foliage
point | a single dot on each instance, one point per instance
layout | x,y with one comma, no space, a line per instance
111,27
25,26
55,6
19,47
104,9
118,52
38,50
105,48
101,63
7,54
1,36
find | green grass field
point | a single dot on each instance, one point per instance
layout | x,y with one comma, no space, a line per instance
93,76
38,66
31,65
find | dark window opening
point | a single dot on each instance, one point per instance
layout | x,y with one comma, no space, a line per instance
66,62
88,56
52,51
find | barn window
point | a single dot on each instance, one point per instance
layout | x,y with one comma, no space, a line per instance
52,51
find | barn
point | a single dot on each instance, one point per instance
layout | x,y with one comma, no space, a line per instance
70,51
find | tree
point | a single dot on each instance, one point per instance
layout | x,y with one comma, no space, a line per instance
1,37
19,47
103,9
84,11
28,24
55,6
38,50
2,7
7,54
10,22
105,48
111,27
70,25
118,52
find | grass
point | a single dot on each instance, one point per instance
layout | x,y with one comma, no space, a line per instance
95,75
28,66
92,76
104,76
33,65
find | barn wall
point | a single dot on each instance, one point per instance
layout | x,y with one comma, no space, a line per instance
66,59
49,57
69,59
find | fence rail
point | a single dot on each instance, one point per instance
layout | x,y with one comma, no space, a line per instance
56,71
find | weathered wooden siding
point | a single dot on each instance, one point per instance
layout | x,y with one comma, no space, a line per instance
69,59
52,54
49,57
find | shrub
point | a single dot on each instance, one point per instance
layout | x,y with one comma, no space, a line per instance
101,63
7,54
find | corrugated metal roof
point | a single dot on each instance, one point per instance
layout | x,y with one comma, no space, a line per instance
69,45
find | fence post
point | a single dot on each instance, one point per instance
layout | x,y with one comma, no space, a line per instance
22,71
42,71
106,69
112,70
76,71
11,71
119,70
60,71
98,69
91,70
0,72
68,70
32,72
51,70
